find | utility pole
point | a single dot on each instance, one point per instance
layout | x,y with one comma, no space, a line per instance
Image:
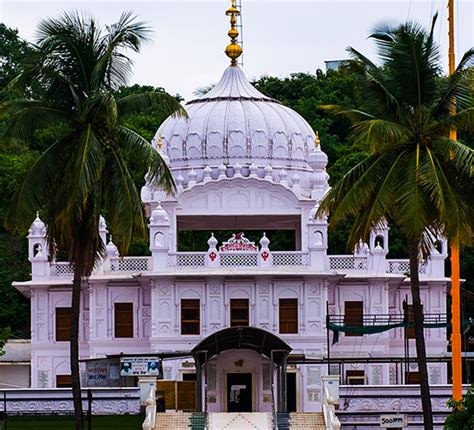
455,270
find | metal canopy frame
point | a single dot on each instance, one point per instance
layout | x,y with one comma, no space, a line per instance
243,337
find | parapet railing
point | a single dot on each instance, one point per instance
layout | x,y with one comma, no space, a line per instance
281,259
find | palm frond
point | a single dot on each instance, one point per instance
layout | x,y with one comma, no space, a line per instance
375,86
353,115
84,168
138,102
28,116
35,189
113,67
159,174
122,202
378,134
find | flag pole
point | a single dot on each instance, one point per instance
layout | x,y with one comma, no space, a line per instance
455,269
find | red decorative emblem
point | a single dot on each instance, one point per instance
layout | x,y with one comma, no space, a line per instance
238,243
212,256
265,255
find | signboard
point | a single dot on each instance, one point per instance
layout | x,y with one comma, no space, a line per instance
141,366
238,243
393,421
97,374
102,372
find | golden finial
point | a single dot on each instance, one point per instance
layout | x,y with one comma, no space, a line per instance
160,142
316,141
233,50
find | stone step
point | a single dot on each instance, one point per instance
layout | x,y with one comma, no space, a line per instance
180,421
300,421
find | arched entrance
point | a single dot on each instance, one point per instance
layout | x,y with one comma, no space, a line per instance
241,369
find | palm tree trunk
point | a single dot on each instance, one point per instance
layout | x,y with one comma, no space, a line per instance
413,251
74,347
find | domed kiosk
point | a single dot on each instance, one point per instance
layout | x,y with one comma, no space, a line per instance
251,326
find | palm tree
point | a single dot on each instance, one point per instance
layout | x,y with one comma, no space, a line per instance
77,67
415,176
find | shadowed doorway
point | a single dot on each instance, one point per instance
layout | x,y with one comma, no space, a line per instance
239,392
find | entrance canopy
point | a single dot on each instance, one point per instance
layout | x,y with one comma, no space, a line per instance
242,337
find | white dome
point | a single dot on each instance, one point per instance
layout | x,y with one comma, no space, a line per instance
234,123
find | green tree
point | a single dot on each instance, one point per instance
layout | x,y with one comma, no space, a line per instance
416,177
78,66
12,51
462,416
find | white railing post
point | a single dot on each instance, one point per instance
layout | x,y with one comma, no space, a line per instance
111,258
265,255
212,257
330,400
150,411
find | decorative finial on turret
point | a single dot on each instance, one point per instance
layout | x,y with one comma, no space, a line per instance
233,50
316,141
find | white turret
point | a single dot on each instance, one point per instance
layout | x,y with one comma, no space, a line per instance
379,246
159,237
38,249
317,239
318,161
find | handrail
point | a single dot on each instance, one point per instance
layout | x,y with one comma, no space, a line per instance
329,410
150,411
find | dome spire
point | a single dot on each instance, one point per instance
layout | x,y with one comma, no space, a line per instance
233,50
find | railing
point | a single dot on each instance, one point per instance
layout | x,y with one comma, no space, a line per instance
329,410
295,258
187,259
61,269
398,266
58,401
239,259
340,263
150,411
130,264
387,319
347,262
403,266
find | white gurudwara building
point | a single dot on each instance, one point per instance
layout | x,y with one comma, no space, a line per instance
249,324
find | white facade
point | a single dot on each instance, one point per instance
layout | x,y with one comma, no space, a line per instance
240,161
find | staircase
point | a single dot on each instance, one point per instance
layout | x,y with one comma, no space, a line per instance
180,421
240,421
300,421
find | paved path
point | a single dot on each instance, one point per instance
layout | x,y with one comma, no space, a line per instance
239,421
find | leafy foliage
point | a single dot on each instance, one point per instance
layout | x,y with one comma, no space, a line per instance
462,416
415,176
77,67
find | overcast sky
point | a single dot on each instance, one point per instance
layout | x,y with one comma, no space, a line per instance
280,37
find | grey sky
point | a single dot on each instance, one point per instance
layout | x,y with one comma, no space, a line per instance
280,37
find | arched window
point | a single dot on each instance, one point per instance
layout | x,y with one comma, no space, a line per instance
379,241
318,237
38,250
159,239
